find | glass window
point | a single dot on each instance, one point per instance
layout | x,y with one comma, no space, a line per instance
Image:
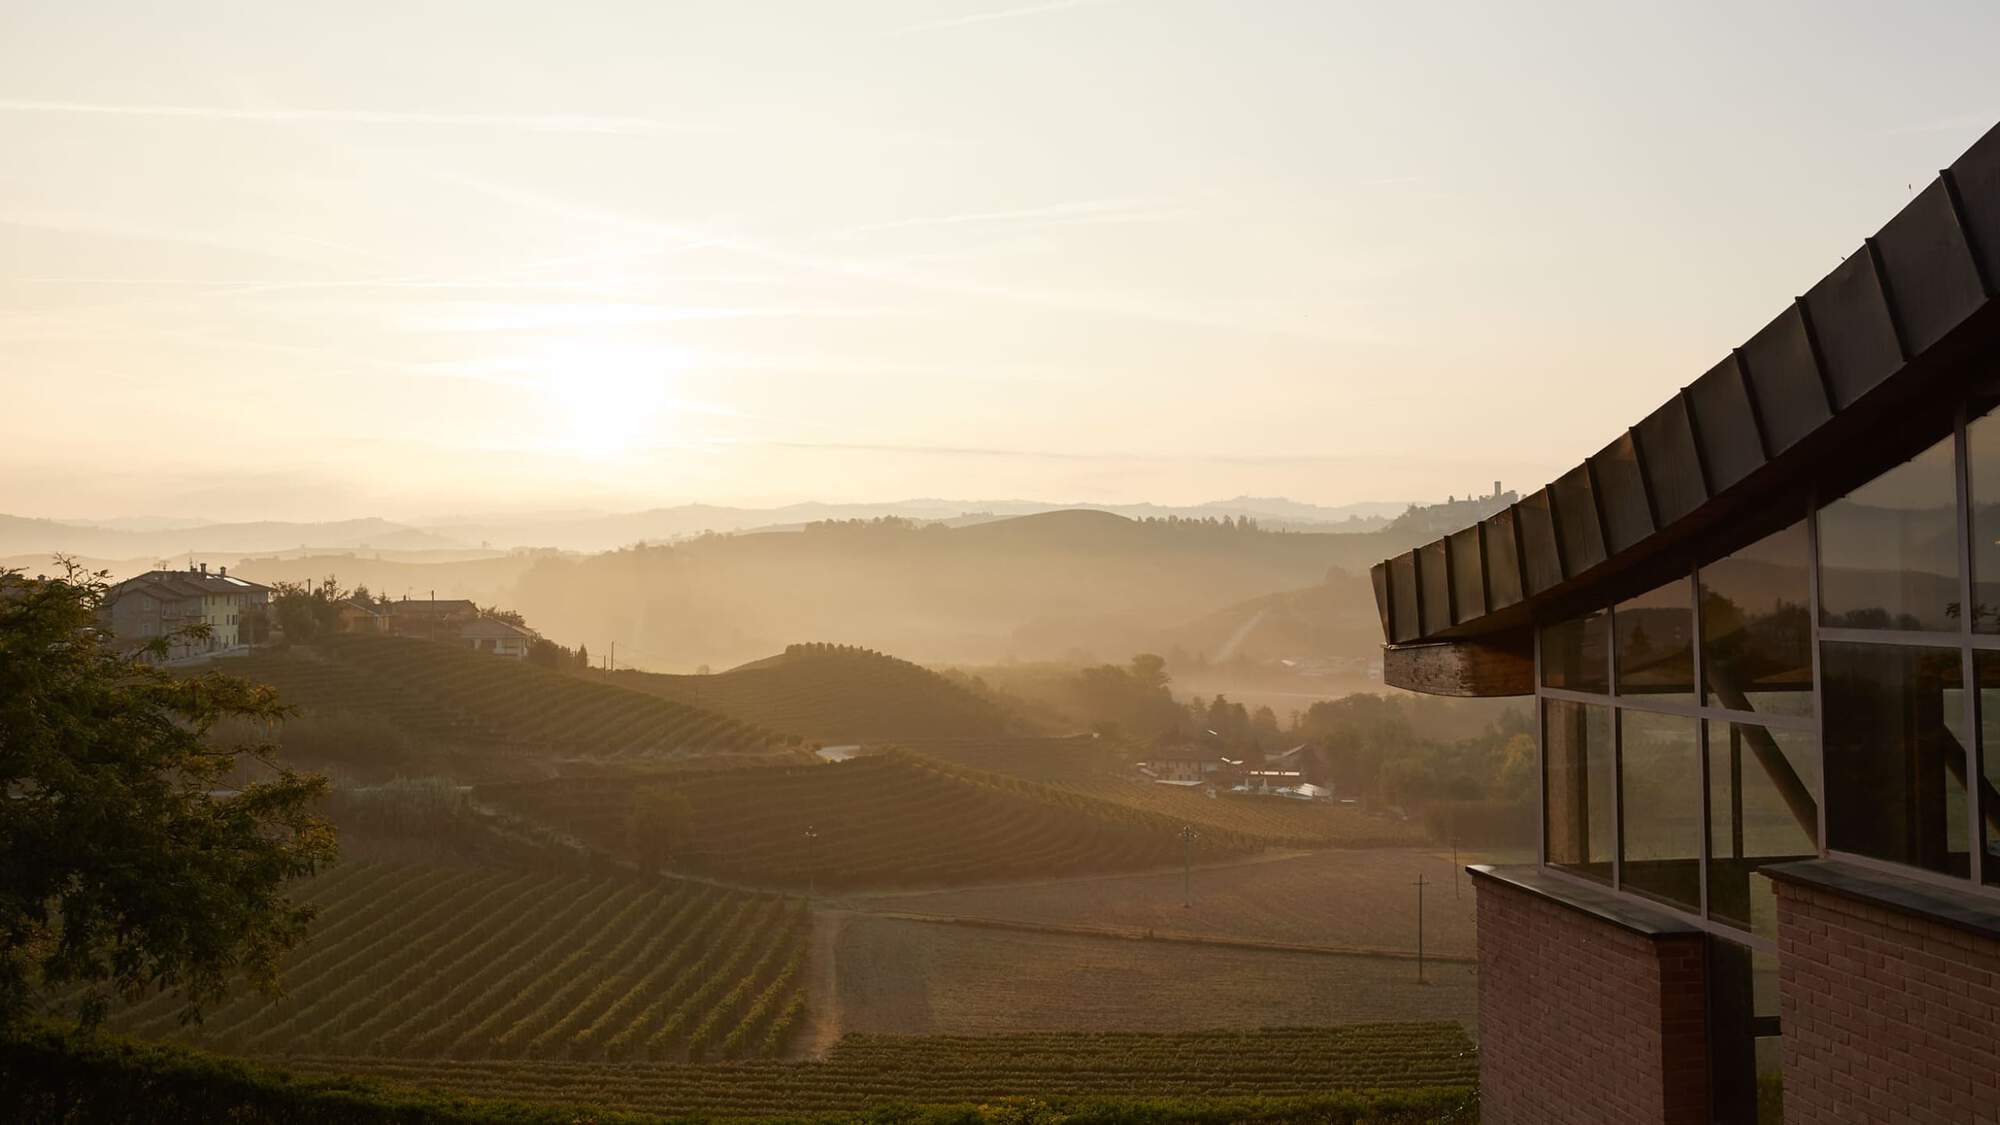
1656,643
1660,771
1763,807
1744,1049
1986,668
1756,627
1888,551
1579,788
1573,654
1982,466
1893,732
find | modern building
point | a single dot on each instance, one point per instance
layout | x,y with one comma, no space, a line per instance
161,603
1762,631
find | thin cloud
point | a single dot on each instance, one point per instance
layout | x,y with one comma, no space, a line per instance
1080,213
685,238
532,122
994,16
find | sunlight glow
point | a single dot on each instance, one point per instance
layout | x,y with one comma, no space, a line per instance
610,397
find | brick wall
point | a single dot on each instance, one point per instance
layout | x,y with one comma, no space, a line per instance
1583,1020
1888,1017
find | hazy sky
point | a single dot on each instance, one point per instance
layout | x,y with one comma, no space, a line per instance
326,260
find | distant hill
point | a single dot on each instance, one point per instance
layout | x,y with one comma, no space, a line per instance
21,536
1034,587
835,694
129,537
1334,618
454,696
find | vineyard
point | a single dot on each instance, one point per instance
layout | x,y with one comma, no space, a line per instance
1277,820
420,962
458,696
883,819
835,693
865,1071
1075,758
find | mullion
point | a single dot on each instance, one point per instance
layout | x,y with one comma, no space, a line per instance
1975,821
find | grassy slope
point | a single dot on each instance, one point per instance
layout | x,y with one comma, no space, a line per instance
455,695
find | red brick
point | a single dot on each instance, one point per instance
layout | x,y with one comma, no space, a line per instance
1888,1017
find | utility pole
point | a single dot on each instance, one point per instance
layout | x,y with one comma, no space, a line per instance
1420,928
1188,837
614,656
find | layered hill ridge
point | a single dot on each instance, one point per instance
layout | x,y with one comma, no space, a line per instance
835,694
457,696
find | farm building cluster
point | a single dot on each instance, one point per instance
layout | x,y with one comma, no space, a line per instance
236,614
1300,773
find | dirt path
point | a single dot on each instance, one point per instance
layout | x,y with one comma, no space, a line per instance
823,1023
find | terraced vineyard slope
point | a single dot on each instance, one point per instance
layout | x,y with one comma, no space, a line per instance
835,694
863,1072
1074,758
1277,820
893,819
451,694
431,962
1097,769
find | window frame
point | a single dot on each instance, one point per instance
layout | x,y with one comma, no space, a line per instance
1966,639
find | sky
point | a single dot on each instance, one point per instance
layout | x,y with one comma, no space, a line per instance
319,261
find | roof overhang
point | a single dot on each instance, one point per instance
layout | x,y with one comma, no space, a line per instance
1844,381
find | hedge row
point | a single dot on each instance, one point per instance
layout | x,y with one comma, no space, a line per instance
49,1075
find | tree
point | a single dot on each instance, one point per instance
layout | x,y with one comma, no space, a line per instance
304,612
583,657
137,854
510,616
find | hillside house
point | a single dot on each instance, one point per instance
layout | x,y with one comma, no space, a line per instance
1183,767
1759,631
435,618
158,603
356,616
501,638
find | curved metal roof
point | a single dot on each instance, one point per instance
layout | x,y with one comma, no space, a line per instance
1835,362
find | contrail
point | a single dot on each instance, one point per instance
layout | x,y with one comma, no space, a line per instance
534,122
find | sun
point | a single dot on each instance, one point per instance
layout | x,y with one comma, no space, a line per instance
608,398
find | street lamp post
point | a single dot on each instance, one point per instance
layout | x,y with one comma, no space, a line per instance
1188,837
1420,928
